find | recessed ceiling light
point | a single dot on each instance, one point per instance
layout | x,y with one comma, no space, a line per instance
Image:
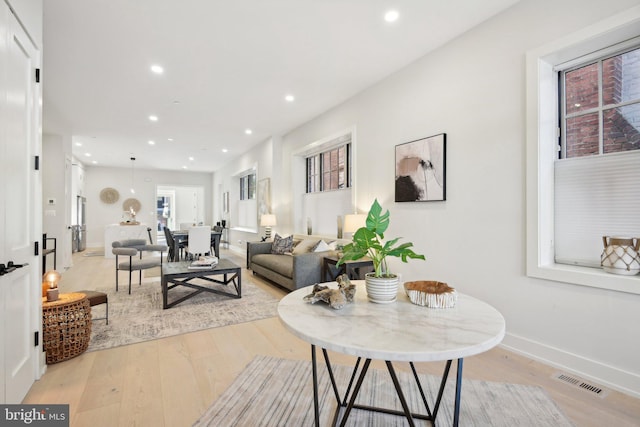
152,143
191,159
157,69
169,139
153,118
184,167
224,150
391,16
289,98
95,162
87,154
78,144
248,131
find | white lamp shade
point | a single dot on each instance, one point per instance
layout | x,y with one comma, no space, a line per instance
352,222
268,220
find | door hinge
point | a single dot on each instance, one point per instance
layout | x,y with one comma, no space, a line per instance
37,163
36,338
37,75
36,248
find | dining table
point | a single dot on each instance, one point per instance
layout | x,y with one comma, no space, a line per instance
182,236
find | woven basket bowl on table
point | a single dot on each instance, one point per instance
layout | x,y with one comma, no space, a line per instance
431,293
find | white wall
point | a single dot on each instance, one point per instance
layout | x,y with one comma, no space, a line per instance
100,214
190,205
259,157
473,89
56,157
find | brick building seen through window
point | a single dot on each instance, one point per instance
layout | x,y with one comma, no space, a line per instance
601,111
329,170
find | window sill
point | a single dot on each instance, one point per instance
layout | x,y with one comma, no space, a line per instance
585,276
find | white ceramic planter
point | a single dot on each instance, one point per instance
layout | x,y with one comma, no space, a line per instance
382,290
621,255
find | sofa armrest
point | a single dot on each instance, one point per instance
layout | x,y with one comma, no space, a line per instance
254,248
307,268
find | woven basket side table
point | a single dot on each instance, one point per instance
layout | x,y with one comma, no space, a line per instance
66,326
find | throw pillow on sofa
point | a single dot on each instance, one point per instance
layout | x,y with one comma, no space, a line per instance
321,246
281,245
305,246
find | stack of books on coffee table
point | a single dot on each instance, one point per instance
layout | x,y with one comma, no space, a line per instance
204,262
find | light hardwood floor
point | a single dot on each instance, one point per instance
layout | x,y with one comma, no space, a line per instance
171,381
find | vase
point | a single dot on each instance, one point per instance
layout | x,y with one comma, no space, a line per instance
621,255
381,290
52,295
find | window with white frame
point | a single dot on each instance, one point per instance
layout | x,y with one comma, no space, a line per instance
331,169
247,211
248,187
324,183
597,174
583,120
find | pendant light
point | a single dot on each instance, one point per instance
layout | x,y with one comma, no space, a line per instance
133,161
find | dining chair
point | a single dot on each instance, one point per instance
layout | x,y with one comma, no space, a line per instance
171,244
199,241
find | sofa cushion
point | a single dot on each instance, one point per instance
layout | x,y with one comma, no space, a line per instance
281,245
281,264
305,246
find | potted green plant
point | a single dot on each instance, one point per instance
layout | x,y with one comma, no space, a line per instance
368,241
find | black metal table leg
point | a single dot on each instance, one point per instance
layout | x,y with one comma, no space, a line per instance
350,396
403,401
356,390
456,411
314,369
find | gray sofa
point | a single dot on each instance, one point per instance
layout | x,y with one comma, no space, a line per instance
292,271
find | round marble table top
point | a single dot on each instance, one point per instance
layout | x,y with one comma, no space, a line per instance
399,331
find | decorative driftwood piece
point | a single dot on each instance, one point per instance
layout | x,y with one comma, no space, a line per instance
336,298
431,293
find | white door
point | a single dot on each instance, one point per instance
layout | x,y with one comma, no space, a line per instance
21,193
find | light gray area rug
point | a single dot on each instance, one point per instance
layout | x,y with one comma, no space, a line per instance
139,317
278,392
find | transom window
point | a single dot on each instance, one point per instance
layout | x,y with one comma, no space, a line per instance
329,170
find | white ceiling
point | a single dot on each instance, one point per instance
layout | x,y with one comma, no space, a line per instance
228,65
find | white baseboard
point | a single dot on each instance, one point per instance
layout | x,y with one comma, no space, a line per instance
605,375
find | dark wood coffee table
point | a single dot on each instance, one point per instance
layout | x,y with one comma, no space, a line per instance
179,274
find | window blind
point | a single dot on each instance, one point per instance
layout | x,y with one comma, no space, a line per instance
594,196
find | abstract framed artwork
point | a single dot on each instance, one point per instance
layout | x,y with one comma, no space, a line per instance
225,202
421,170
264,197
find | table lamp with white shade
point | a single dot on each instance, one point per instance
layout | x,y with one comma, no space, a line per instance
352,222
268,221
